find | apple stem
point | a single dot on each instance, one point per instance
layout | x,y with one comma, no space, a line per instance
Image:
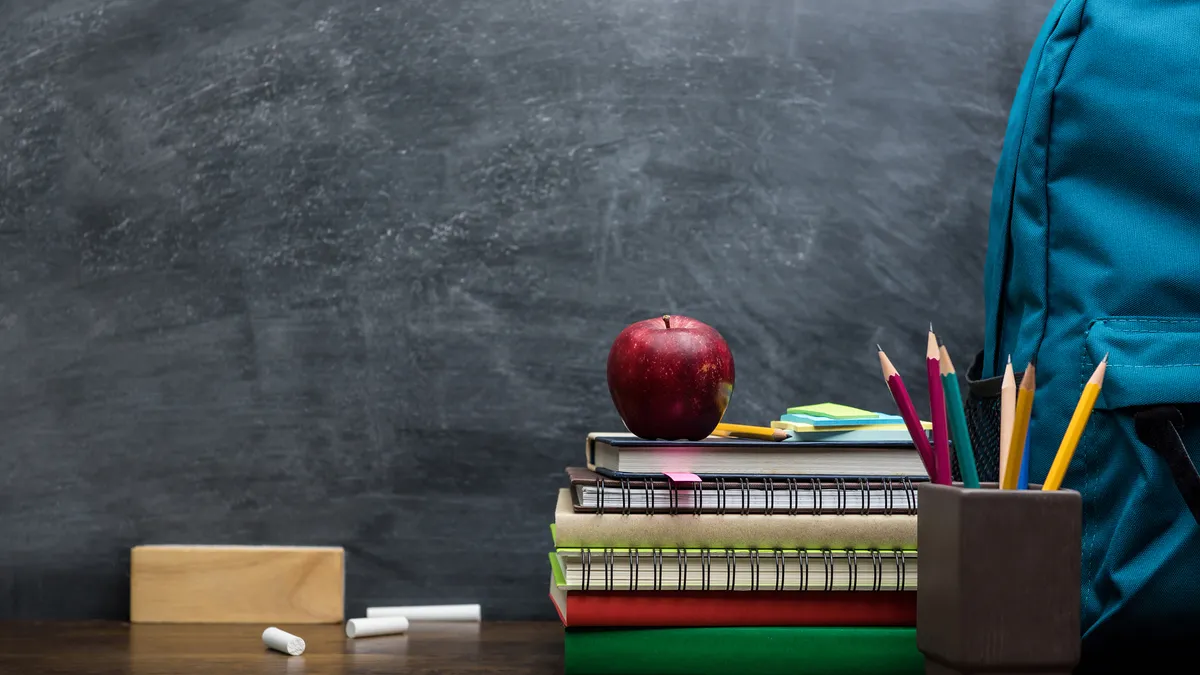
667,320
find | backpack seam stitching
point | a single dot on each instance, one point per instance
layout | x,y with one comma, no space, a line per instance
1087,473
1012,188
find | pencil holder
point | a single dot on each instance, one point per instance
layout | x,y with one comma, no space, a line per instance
999,580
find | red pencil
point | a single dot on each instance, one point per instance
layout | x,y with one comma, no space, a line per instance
937,411
909,413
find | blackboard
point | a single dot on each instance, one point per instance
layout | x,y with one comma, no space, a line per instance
347,272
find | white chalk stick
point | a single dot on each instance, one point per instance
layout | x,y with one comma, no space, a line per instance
428,612
356,628
282,641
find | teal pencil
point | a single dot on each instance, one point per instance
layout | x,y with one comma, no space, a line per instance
958,422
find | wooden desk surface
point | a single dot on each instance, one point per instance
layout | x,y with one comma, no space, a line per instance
142,649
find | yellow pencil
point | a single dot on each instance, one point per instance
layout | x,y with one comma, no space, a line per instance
1008,410
747,431
1087,400
1020,427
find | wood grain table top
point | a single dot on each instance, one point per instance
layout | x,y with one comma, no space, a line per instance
30,648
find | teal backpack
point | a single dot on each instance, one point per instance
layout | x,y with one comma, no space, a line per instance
1094,249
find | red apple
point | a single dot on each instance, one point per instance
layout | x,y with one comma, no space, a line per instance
670,378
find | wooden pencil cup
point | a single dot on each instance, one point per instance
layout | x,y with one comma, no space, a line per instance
999,580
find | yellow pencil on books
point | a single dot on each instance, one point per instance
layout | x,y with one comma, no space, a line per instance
1083,410
1020,427
750,432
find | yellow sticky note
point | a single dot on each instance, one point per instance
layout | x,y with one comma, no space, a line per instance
832,411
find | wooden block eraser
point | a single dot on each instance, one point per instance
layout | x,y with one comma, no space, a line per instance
237,584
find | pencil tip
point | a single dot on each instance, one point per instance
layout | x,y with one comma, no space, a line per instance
1010,358
1105,359
878,347
930,326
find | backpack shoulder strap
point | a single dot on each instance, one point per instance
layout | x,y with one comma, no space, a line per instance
1158,427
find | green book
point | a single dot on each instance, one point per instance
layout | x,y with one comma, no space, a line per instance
762,651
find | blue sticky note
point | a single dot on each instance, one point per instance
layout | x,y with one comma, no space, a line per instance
1023,477
842,422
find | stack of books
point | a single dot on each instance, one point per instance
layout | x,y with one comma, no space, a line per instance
739,555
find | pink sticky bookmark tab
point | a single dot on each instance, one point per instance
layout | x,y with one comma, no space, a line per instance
682,477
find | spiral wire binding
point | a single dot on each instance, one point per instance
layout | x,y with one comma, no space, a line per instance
899,495
876,571
779,557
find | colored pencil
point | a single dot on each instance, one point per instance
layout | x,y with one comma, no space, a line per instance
1023,479
908,412
747,431
1083,410
1008,405
958,421
937,410
1020,426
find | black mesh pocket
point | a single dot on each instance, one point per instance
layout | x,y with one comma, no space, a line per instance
982,410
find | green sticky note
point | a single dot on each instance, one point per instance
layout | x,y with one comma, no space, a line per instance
832,411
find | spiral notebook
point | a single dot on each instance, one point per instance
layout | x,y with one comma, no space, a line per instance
734,569
609,609
731,530
593,492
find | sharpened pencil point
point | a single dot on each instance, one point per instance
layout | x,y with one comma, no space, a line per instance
1105,359
878,347
1010,358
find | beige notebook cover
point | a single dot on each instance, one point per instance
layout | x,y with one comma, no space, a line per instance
756,530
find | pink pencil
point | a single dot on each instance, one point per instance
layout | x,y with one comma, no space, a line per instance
909,413
937,411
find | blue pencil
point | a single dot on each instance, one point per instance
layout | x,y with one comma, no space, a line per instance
1023,477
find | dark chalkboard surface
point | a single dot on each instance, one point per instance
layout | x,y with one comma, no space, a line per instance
345,272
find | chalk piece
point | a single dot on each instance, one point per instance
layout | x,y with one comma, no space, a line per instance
282,641
390,625
429,612
237,584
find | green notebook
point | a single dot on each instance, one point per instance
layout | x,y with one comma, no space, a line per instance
761,651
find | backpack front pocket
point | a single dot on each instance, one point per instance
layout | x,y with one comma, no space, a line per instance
1140,534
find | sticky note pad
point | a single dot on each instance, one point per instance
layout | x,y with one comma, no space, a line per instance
832,410
841,422
237,584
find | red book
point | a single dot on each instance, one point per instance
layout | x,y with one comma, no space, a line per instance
734,608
